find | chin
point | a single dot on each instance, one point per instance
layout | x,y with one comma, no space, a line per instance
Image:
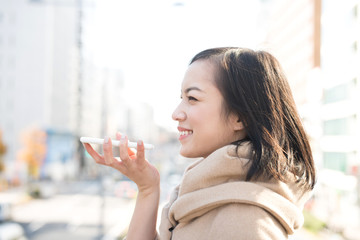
190,154
187,154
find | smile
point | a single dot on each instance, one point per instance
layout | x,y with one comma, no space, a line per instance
185,133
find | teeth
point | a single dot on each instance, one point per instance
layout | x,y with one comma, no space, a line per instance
182,133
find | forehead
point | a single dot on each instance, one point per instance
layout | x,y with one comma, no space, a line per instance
201,74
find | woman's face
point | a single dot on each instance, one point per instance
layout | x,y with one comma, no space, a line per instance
202,124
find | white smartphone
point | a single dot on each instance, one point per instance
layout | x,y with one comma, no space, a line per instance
114,142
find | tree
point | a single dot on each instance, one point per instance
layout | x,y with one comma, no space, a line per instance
34,151
2,153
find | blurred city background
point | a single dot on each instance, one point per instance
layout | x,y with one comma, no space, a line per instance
71,68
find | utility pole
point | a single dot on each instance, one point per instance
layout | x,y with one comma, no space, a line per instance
80,149
104,113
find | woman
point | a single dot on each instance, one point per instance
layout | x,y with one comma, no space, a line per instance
256,169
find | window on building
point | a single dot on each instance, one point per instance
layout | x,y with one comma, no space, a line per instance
12,40
339,93
355,11
335,94
11,62
340,126
10,105
355,46
12,18
336,161
10,83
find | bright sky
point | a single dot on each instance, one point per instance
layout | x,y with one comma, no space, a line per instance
153,41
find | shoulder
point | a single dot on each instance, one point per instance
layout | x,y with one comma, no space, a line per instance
246,221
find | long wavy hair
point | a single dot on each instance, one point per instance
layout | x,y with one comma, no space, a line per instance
255,88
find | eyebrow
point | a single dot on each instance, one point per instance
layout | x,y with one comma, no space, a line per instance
193,88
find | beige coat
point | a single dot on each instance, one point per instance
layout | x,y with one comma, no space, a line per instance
213,201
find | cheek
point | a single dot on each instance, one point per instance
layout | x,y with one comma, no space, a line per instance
196,116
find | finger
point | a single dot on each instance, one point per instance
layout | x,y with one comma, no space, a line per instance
140,153
95,155
124,155
130,151
118,136
107,147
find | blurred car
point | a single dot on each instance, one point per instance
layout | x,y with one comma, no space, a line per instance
125,189
11,231
5,212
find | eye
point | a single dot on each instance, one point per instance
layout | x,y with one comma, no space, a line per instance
191,98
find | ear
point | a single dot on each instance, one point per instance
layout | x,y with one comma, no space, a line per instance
236,123
239,126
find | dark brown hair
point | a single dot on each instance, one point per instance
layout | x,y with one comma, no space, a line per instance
255,88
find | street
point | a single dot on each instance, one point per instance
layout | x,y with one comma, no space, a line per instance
80,210
89,210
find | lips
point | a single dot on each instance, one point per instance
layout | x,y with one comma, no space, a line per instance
184,132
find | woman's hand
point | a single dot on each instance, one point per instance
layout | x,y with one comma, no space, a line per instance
132,165
146,177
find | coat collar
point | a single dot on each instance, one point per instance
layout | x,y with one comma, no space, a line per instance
220,179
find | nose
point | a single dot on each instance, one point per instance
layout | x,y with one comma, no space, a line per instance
179,114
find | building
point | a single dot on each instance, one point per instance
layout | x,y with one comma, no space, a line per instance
317,44
340,61
340,112
38,70
294,38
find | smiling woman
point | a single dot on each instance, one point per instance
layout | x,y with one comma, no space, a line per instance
202,123
255,171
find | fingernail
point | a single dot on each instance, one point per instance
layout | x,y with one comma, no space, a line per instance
123,139
139,143
106,139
